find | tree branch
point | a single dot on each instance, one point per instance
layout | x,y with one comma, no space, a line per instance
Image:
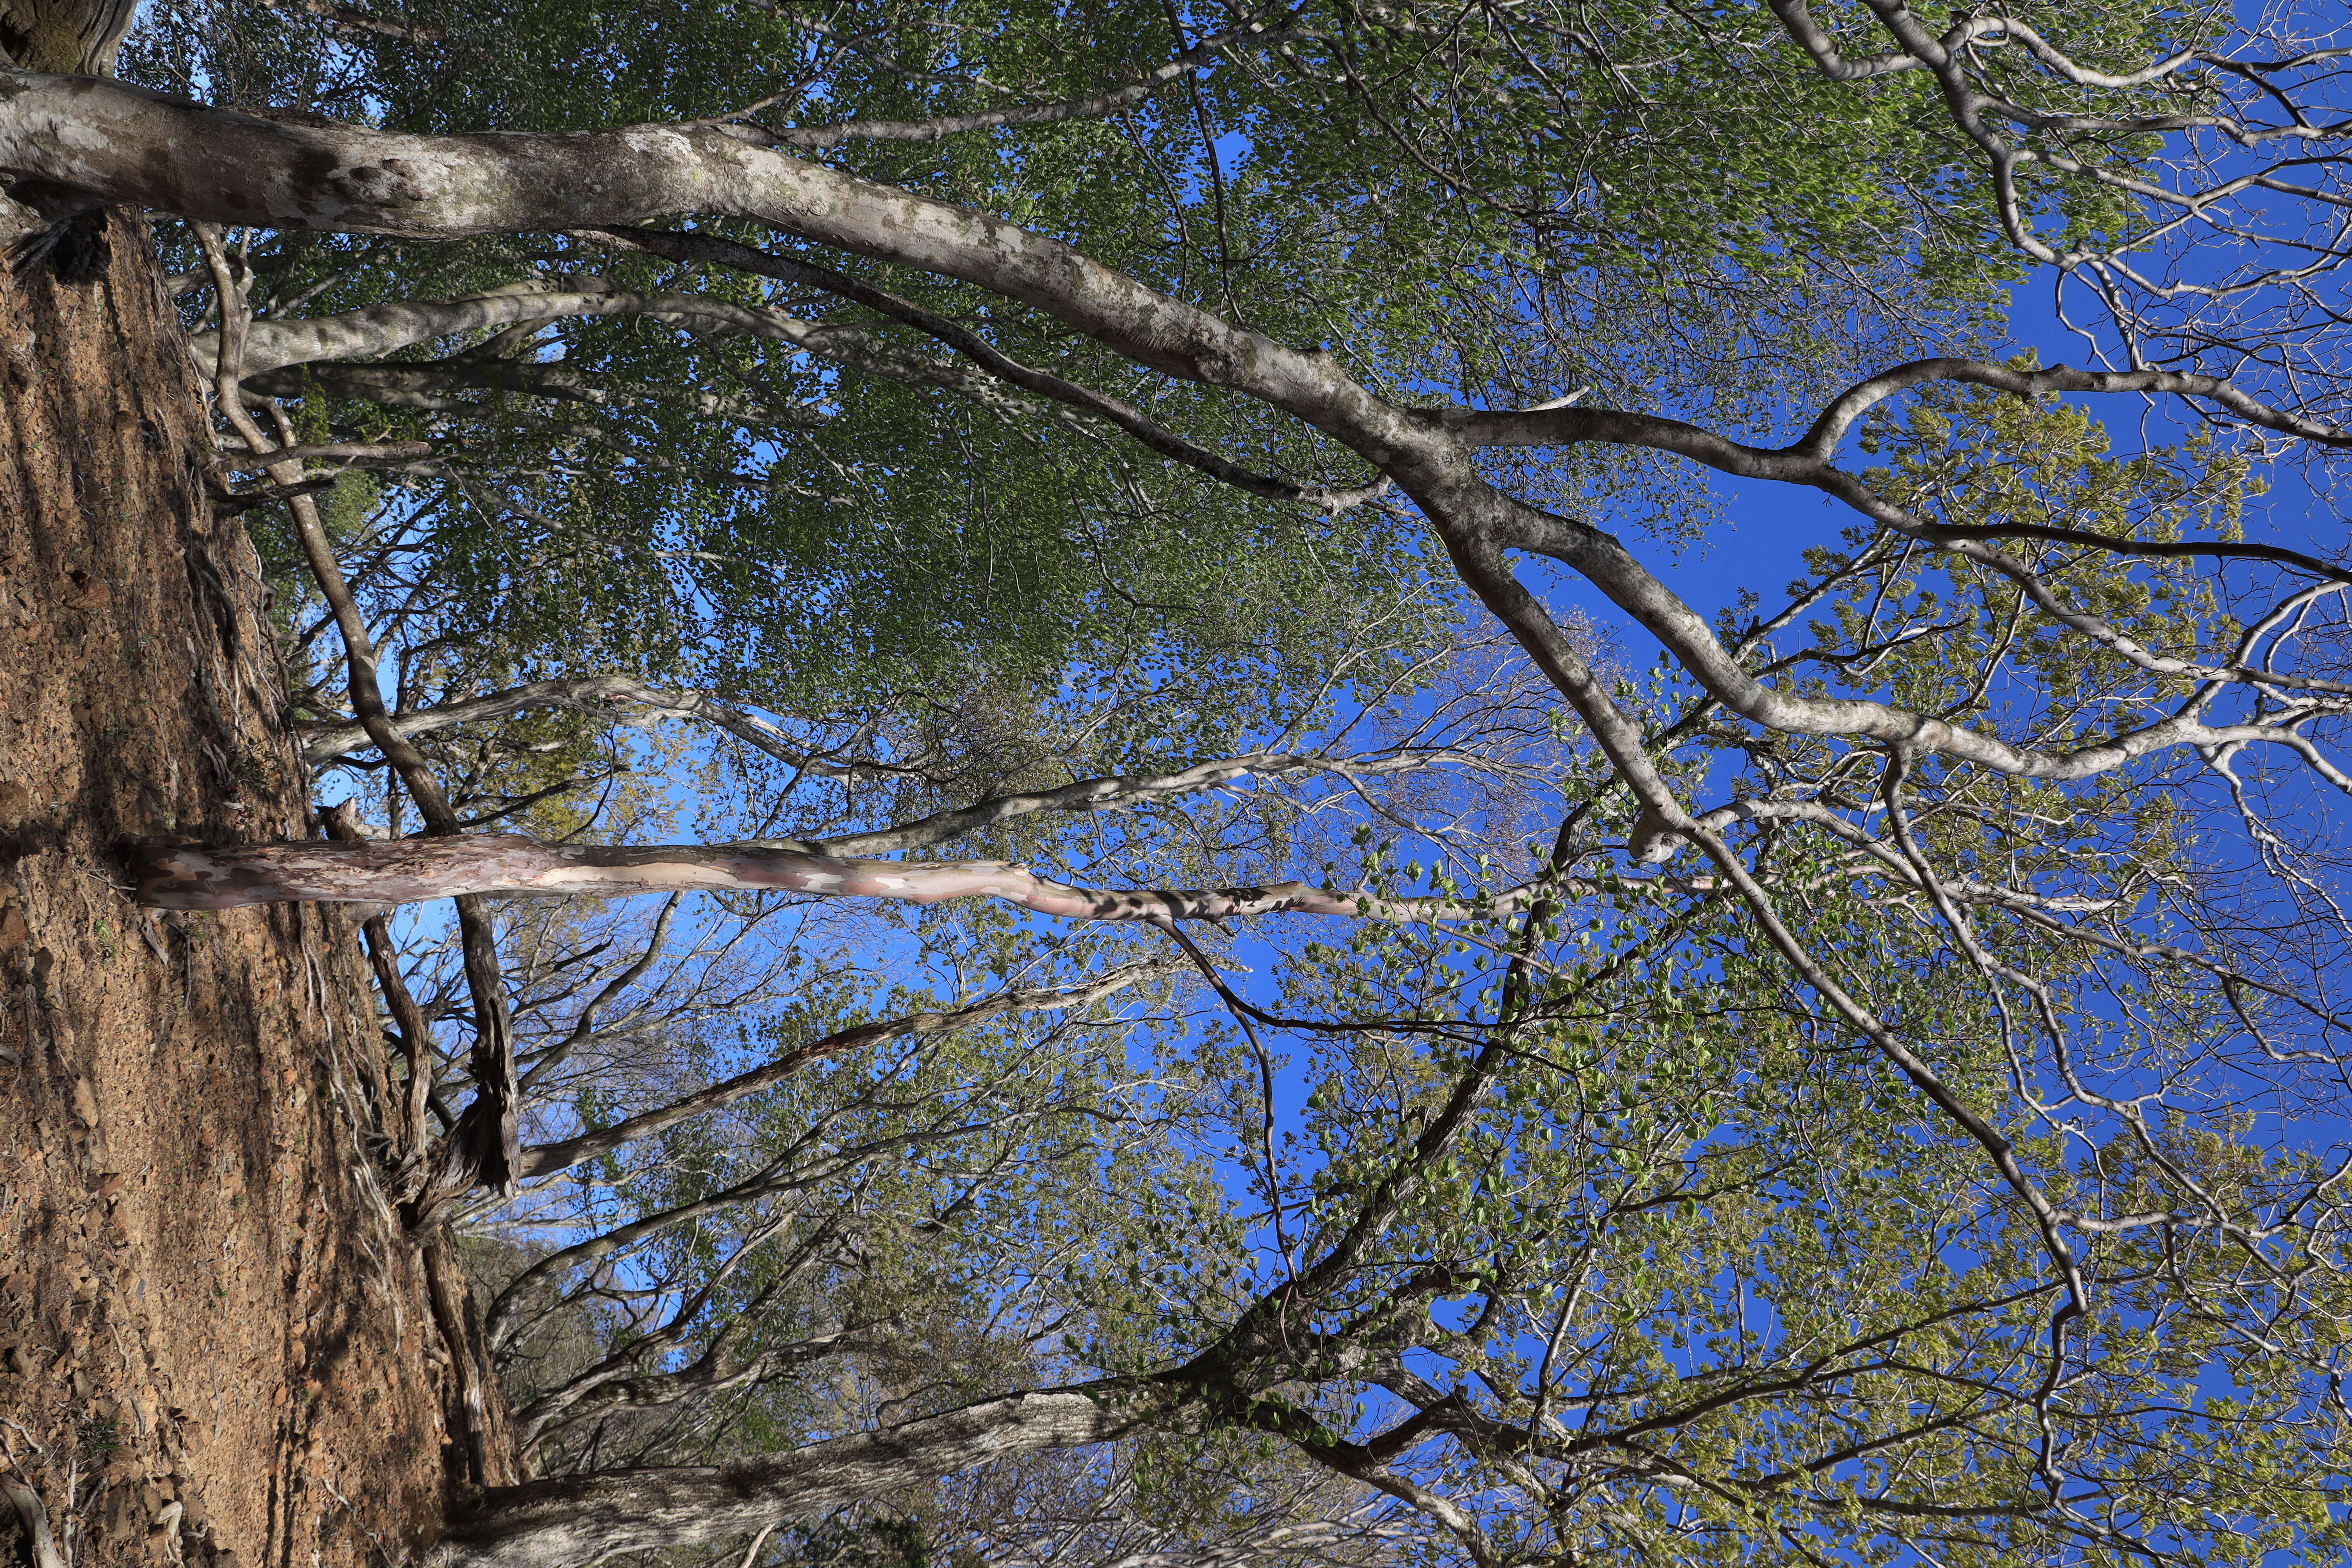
597,694
411,870
483,1146
570,1520
687,246
546,1159
400,383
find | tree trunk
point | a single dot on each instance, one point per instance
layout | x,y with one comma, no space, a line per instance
572,1520
197,1275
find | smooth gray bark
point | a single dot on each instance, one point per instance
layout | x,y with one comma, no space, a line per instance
412,871
381,329
573,1519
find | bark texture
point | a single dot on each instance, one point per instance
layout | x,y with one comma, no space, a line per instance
210,1333
77,36
573,1519
412,871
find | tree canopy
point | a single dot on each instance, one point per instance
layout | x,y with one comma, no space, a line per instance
1245,957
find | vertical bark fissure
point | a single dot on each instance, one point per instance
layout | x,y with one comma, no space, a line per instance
445,1287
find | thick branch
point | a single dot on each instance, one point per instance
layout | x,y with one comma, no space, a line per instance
381,329
350,178
126,144
570,1520
355,454
411,870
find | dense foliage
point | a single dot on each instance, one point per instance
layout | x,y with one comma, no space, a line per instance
1852,1078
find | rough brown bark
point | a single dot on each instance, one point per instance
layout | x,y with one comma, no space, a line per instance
204,1305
